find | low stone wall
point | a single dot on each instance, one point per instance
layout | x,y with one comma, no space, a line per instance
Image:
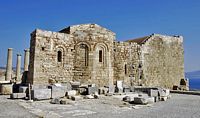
185,92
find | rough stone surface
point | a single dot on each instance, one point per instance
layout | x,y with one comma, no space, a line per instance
76,98
153,93
89,53
55,101
58,91
151,100
140,100
92,90
103,90
17,95
6,89
71,93
41,94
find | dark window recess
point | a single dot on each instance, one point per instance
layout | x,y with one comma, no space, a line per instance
59,56
125,69
100,56
42,48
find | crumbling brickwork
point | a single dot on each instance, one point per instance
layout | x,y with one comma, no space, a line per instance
90,54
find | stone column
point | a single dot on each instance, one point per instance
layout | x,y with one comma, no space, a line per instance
18,67
26,59
9,65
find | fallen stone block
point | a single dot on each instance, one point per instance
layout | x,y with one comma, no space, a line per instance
23,89
55,101
153,93
6,89
108,94
119,87
140,100
119,84
130,97
63,101
92,90
119,90
150,100
167,92
82,90
89,97
96,96
58,91
41,94
163,98
126,89
68,102
111,89
92,85
127,99
76,98
103,90
75,85
71,93
17,95
39,87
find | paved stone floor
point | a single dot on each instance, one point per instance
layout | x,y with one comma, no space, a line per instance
179,106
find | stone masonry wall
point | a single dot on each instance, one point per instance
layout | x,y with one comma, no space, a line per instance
126,62
44,64
90,54
89,40
162,61
86,55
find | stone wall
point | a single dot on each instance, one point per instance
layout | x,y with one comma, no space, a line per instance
90,54
127,59
85,50
90,40
162,61
44,65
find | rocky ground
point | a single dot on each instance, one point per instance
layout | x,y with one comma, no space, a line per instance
179,106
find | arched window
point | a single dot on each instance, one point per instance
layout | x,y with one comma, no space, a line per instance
82,55
100,56
59,56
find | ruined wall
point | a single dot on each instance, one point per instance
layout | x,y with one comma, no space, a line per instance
126,62
93,60
162,61
85,50
89,53
44,62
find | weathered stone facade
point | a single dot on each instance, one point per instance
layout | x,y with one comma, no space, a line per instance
90,54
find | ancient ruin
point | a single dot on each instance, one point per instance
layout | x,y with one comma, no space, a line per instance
90,54
86,65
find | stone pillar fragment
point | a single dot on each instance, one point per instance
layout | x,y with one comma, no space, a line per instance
9,65
26,59
18,67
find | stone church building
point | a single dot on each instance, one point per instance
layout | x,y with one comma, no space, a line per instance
89,53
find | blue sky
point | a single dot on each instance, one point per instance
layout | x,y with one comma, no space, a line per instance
128,18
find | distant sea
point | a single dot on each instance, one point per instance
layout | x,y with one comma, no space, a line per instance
194,83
